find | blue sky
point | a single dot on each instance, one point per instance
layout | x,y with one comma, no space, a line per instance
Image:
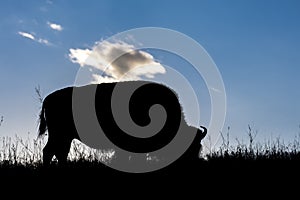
255,44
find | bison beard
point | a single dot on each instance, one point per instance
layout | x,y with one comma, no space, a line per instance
57,116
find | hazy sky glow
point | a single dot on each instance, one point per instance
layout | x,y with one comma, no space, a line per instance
255,44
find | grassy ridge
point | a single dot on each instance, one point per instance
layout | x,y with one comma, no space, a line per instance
232,168
19,156
273,159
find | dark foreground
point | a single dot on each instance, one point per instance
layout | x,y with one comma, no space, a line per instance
202,170
215,177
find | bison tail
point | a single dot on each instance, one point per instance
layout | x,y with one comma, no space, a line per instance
42,122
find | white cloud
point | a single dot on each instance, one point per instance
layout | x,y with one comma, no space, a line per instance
80,56
117,60
54,26
43,41
32,37
26,35
97,78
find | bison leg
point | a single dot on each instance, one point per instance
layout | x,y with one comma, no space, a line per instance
60,148
62,151
48,153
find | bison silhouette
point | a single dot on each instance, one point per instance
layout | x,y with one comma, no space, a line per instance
57,117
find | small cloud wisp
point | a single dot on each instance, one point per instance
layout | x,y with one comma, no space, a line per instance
56,27
32,37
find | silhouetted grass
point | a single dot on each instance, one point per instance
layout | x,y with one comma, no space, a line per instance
24,157
19,152
255,151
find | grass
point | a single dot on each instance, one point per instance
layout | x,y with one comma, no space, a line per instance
233,166
256,151
23,157
28,152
